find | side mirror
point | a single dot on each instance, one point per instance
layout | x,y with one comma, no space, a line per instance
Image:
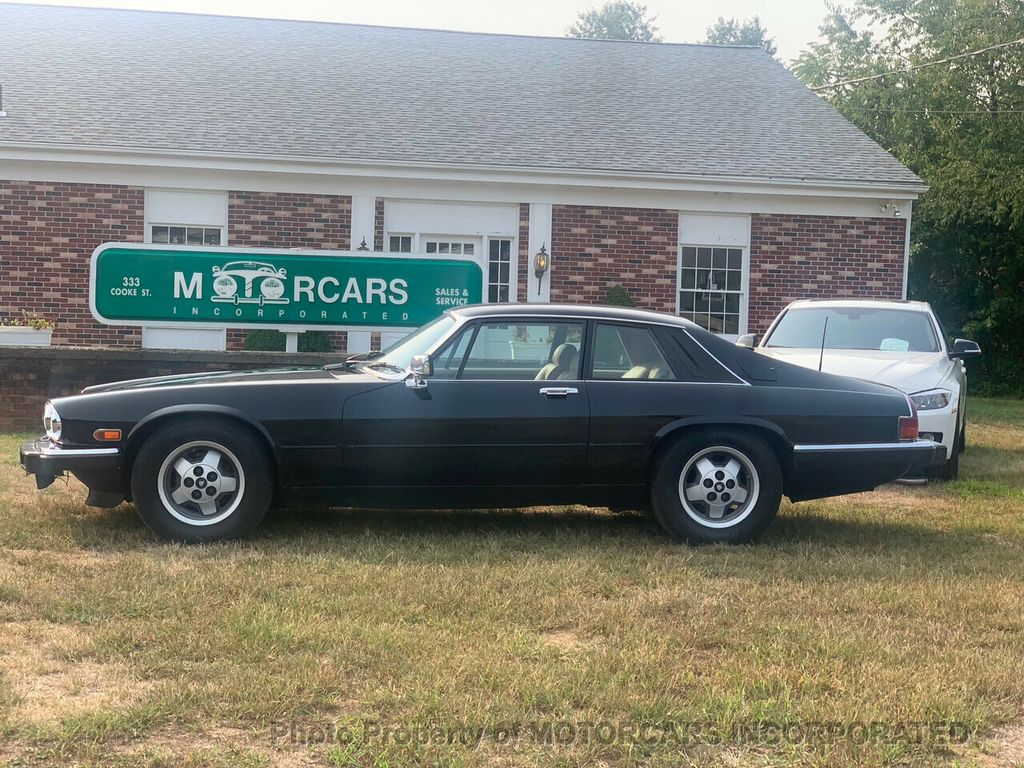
964,348
420,370
420,365
747,341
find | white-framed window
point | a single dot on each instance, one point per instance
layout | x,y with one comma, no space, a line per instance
499,252
711,287
400,243
186,234
499,269
433,245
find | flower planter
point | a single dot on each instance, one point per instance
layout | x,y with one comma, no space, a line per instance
20,336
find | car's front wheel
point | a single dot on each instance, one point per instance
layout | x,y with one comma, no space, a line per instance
199,481
714,486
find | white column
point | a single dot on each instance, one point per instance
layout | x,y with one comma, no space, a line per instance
540,236
364,209
908,211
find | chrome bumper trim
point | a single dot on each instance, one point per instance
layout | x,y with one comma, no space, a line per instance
916,445
56,450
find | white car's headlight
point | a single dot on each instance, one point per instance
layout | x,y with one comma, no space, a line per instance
51,421
930,401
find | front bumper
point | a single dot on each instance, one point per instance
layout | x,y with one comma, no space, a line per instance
832,470
943,422
98,468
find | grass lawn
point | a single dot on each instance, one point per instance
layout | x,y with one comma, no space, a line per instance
500,638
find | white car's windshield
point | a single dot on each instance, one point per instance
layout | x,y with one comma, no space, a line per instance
889,330
400,354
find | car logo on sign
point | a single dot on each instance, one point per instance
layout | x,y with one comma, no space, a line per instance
249,282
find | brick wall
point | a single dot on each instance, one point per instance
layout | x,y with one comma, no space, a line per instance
30,375
48,231
288,220
524,255
593,249
802,257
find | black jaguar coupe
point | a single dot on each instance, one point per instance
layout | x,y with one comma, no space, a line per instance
496,405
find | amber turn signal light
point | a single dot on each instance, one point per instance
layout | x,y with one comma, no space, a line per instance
107,435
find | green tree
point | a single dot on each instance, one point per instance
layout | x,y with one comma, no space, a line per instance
960,125
616,20
735,32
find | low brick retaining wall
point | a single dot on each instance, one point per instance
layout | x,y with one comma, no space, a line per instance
31,375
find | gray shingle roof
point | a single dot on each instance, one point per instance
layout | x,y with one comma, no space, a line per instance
134,79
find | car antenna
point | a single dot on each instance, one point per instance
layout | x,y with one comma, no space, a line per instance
821,357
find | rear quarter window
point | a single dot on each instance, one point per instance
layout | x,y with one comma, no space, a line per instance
691,361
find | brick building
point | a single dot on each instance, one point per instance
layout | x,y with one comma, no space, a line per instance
704,180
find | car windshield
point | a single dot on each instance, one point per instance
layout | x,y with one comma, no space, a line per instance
400,354
888,330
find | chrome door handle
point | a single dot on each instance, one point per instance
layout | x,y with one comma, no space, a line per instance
559,391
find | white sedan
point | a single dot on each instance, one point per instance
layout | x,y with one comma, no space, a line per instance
899,343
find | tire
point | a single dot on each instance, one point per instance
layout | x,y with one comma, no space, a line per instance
730,461
951,469
229,471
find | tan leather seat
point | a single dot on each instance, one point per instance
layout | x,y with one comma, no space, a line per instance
658,373
636,372
561,365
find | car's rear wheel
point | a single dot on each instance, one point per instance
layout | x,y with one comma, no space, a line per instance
714,486
196,482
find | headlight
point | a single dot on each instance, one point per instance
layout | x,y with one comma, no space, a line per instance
930,401
51,421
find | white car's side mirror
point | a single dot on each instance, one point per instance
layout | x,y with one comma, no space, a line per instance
964,348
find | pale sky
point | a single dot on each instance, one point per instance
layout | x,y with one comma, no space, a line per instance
793,23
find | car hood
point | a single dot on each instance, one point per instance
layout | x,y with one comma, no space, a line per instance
908,371
266,376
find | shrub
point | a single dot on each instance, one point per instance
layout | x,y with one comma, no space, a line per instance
617,296
273,341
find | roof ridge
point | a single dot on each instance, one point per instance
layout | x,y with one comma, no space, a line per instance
359,25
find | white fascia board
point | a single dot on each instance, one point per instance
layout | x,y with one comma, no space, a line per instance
312,166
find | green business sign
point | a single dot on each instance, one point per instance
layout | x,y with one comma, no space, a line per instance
256,287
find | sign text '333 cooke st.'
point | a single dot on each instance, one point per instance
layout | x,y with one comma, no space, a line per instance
134,284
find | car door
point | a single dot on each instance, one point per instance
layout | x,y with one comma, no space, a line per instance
484,418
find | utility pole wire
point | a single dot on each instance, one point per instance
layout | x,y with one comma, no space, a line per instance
946,60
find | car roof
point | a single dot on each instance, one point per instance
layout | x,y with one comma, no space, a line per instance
574,311
918,306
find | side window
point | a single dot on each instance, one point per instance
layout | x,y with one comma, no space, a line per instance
447,362
533,350
628,352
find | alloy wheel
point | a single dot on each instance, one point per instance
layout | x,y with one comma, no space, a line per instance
201,483
718,486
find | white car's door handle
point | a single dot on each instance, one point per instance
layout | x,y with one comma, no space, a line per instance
559,391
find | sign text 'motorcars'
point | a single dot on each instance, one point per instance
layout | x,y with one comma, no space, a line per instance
177,285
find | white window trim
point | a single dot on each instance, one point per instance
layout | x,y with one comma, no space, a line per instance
149,231
744,282
513,273
481,254
217,333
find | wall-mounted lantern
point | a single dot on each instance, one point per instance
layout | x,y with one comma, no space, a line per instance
540,266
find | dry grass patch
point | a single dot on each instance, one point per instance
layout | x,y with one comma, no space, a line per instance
176,746
52,677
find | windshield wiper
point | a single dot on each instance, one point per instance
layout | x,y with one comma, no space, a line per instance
352,361
382,366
